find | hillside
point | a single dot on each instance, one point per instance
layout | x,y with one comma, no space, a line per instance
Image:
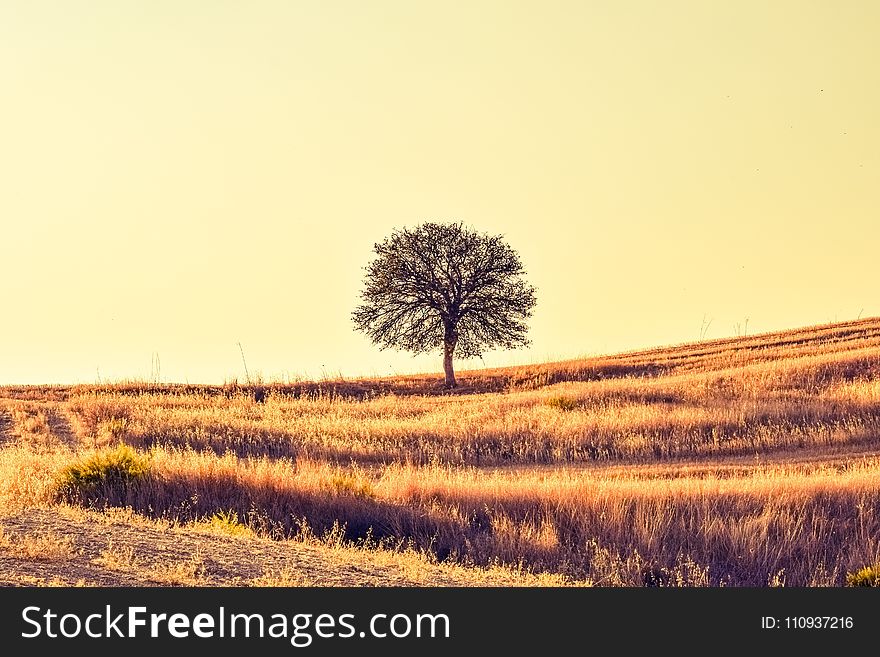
707,354
746,461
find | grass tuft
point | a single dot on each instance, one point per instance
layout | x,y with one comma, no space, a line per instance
867,576
563,403
104,475
227,522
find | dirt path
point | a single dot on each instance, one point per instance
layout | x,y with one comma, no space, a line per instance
59,425
58,546
43,422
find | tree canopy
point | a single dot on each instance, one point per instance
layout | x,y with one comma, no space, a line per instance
444,285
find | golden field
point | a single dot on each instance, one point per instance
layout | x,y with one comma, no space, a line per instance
752,461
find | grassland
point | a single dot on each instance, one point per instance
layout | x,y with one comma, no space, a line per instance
750,461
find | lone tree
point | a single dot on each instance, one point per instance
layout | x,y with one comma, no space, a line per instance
445,286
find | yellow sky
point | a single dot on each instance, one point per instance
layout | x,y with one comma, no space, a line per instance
180,176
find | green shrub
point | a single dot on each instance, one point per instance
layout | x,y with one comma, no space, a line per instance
227,522
867,576
102,478
563,403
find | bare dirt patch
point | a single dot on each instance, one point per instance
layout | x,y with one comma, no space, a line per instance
115,552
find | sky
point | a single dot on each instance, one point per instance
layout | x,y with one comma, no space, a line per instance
181,177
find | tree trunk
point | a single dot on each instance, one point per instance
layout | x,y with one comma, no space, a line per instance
448,349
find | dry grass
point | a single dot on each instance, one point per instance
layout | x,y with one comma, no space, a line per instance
120,558
16,579
186,572
762,406
46,546
736,462
735,525
34,424
27,475
189,571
